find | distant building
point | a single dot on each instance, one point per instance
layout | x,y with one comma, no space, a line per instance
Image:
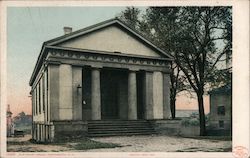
10,123
220,118
185,113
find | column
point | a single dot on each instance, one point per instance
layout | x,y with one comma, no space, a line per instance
53,92
95,94
33,131
37,106
77,93
65,92
132,96
148,95
166,96
38,133
34,107
158,95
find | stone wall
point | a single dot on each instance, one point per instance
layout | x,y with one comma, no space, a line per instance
166,127
69,129
174,128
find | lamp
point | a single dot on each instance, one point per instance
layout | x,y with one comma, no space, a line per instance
78,87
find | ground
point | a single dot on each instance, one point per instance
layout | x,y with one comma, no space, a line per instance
152,143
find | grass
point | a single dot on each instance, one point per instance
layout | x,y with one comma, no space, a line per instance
71,144
219,138
80,144
18,143
197,149
91,144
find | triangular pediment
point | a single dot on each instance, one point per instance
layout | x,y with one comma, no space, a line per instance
111,36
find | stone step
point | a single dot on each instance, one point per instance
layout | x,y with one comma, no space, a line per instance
116,122
111,121
120,130
120,134
119,127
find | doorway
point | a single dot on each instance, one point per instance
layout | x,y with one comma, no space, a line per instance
110,93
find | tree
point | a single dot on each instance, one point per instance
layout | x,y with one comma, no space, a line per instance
130,16
197,51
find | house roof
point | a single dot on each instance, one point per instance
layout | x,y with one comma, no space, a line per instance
223,89
90,29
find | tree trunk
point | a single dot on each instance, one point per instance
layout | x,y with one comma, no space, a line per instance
201,115
172,107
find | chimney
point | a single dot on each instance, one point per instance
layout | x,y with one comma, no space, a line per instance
67,30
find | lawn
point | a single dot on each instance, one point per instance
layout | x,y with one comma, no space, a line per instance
25,144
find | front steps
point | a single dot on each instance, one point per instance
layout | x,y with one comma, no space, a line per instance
119,128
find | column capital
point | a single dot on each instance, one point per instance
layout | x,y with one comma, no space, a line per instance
149,71
133,69
165,72
50,62
96,67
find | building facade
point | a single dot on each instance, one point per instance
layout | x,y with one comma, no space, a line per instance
220,119
103,72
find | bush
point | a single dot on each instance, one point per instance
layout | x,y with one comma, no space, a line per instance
193,120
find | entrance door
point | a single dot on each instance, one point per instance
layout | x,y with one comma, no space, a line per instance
109,94
140,104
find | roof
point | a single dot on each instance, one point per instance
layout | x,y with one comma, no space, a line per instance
101,25
223,89
87,30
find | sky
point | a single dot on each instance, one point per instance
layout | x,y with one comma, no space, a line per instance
29,27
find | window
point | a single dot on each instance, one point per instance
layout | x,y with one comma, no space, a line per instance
221,110
221,124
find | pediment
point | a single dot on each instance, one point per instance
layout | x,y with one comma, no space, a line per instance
112,36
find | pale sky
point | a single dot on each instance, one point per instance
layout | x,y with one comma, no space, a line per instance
29,27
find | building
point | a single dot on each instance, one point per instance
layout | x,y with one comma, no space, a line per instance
103,72
10,123
220,119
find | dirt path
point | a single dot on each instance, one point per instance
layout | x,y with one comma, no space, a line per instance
164,144
129,144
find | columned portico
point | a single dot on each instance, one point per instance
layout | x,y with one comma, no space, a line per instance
132,96
122,77
95,94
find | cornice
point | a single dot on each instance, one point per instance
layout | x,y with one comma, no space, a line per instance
111,58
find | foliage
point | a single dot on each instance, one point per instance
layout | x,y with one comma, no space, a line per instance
91,144
193,119
190,122
23,122
80,143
